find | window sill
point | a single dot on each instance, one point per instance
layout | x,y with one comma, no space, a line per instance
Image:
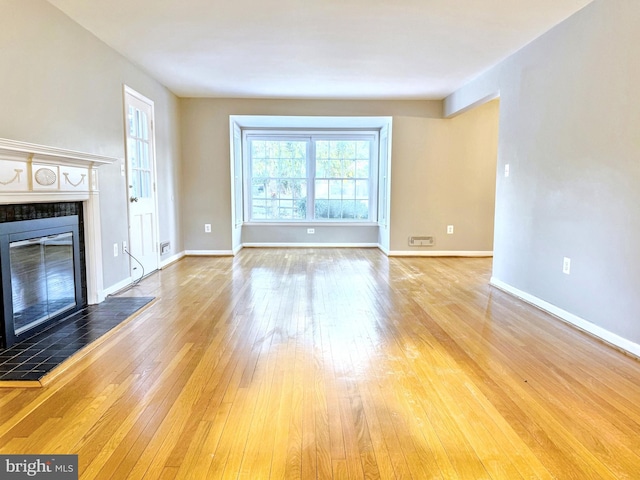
310,224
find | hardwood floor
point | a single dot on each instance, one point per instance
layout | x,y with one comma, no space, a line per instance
321,363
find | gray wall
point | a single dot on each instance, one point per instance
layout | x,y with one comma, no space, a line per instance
443,173
424,197
570,130
60,86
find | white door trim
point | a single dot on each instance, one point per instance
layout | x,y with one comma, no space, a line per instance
127,90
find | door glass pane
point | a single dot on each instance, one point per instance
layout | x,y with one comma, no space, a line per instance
140,154
146,184
133,153
132,121
135,184
138,123
145,155
145,126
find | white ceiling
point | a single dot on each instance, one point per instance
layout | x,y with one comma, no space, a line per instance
395,49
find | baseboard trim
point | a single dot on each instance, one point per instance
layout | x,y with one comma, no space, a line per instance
438,253
310,245
237,249
172,259
116,288
208,253
606,336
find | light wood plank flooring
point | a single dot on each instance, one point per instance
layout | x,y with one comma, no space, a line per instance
323,363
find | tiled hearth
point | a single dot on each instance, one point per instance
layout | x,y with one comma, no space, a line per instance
35,357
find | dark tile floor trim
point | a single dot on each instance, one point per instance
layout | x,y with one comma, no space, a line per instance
32,359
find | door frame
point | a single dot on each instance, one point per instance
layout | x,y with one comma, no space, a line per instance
127,90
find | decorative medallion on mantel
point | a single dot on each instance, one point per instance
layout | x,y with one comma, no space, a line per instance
45,177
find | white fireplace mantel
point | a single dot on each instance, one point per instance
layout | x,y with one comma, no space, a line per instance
31,173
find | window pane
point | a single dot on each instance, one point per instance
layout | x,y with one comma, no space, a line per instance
258,149
348,168
335,169
272,149
322,149
259,167
299,168
362,210
335,189
322,168
362,189
278,179
335,209
258,187
291,168
363,150
272,167
362,169
322,189
348,189
349,209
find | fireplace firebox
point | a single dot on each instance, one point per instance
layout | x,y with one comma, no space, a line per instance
40,269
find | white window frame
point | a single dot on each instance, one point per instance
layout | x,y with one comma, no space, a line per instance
372,135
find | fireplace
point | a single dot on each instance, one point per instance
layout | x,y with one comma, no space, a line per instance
40,270
50,236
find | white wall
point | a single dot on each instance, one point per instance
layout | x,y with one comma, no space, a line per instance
60,86
569,129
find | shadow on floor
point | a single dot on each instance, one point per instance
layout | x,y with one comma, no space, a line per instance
33,358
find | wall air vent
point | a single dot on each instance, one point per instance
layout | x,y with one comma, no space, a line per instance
421,241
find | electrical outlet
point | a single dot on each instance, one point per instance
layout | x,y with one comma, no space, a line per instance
506,170
207,228
450,229
165,247
566,266
311,231
115,249
124,247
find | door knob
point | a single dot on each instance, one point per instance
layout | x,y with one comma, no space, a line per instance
133,199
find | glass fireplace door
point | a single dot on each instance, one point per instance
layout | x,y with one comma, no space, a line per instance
42,278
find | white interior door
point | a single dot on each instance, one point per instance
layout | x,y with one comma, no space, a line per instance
143,244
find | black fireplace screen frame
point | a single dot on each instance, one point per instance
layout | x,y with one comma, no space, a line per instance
24,230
